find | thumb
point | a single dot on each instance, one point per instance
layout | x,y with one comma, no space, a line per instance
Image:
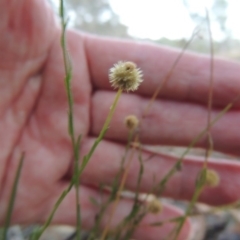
27,28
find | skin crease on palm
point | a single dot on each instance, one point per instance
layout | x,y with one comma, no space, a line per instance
33,110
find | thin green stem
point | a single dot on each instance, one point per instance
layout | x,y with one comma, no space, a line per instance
75,145
87,157
160,187
209,148
77,183
194,199
40,231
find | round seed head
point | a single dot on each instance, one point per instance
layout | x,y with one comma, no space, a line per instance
131,122
212,178
125,75
154,206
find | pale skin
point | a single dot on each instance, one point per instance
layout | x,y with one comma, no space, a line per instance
33,110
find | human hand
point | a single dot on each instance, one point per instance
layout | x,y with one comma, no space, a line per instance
34,119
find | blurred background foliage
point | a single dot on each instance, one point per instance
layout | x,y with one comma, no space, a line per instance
98,17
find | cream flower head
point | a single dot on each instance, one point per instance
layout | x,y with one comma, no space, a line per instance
125,75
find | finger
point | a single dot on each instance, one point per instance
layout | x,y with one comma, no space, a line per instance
167,122
66,214
106,162
189,80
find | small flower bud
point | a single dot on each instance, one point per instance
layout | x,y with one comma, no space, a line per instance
125,75
131,122
154,206
212,178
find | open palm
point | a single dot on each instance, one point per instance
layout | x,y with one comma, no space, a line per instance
34,107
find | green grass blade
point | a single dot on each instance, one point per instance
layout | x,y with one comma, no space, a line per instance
12,198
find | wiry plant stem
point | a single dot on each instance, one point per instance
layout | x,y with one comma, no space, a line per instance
209,148
75,144
87,157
